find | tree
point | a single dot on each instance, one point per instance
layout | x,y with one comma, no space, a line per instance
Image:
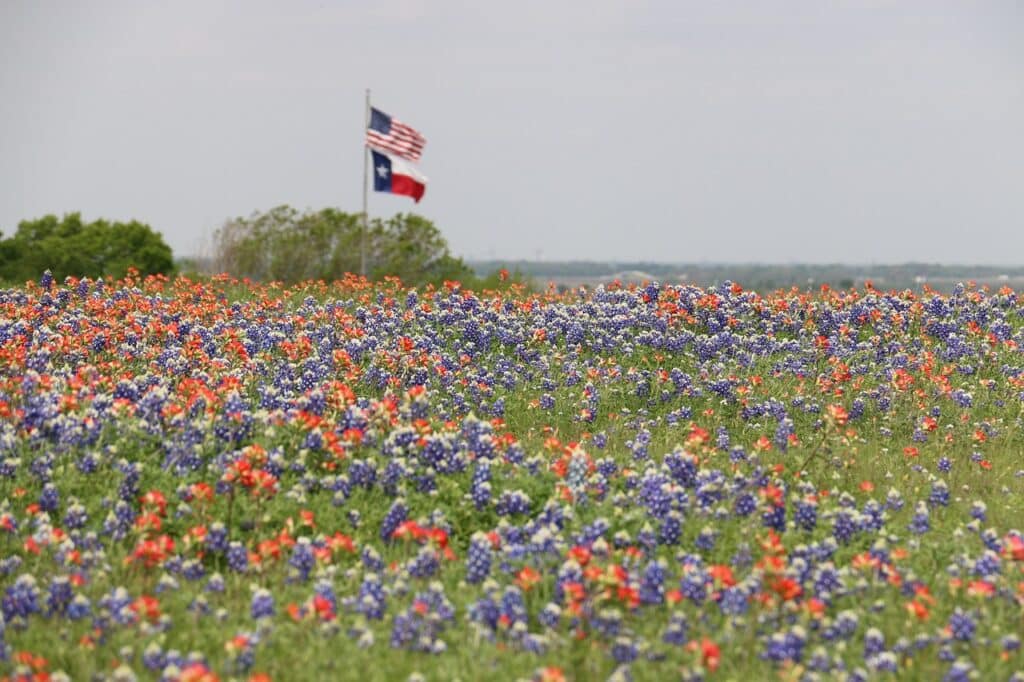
410,247
69,246
285,245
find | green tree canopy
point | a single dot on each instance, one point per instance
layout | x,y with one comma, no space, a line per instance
68,246
285,245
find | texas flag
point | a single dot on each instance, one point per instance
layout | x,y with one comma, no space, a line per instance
392,174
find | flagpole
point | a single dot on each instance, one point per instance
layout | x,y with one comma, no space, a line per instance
366,190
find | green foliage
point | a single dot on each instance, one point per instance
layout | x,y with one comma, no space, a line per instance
69,246
285,245
412,248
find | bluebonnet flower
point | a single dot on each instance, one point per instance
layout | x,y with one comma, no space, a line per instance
805,515
874,642
671,530
397,513
480,487
987,564
677,630
49,498
939,494
652,583
695,583
478,558
193,569
884,662
607,622
215,583
76,516
844,525
962,626
262,604
302,558
920,523
153,657
745,504
372,600
512,502
79,608
787,646
217,537
21,599
371,559
624,650
705,540
425,564
550,615
238,557
60,596
734,601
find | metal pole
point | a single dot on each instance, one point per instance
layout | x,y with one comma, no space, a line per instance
366,190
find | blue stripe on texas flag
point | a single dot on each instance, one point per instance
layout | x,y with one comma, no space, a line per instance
381,172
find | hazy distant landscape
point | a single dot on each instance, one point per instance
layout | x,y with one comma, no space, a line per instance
760,276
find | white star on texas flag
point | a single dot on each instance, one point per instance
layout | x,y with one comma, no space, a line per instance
382,171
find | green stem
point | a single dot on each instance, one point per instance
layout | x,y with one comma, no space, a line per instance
813,452
231,508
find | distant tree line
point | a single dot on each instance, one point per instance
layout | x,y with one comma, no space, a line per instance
289,246
282,244
70,246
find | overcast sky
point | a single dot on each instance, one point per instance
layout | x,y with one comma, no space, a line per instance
856,132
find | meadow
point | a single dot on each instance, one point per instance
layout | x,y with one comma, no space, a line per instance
216,479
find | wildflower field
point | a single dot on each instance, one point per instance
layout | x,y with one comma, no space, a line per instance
223,480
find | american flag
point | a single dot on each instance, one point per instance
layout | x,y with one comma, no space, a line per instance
390,134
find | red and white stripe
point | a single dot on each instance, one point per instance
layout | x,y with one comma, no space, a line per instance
402,140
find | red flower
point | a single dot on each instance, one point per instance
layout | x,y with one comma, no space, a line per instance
409,530
1014,547
340,541
153,552
147,522
628,595
917,609
838,414
723,575
710,653
787,588
527,578
323,608
580,554
550,674
772,494
156,499
146,607
981,588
